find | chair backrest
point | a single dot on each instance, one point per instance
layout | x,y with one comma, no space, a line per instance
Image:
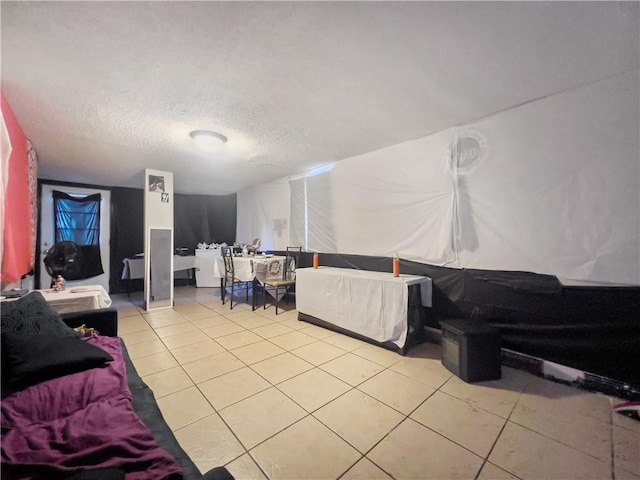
227,256
291,263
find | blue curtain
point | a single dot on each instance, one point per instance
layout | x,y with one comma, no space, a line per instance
77,220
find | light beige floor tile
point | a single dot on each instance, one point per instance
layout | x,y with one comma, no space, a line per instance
424,370
212,321
402,455
272,330
317,332
456,419
292,323
359,419
184,407
184,339
365,470
318,353
239,314
180,328
253,322
345,342
209,442
490,396
292,340
351,369
257,352
626,450
195,313
223,329
313,389
125,311
253,420
621,474
527,454
245,468
559,398
514,380
160,319
139,350
232,387
212,366
579,431
491,472
197,351
138,337
425,351
306,450
132,324
378,355
282,367
168,381
622,420
154,363
237,340
399,392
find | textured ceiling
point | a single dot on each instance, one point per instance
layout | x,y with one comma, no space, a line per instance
107,89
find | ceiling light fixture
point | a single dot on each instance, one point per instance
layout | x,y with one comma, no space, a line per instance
208,141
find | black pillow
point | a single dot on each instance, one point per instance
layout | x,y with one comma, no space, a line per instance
35,358
32,315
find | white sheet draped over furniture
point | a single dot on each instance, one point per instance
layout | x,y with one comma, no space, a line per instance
372,304
134,267
75,299
208,271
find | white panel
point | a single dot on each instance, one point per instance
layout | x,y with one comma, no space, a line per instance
158,217
263,212
559,192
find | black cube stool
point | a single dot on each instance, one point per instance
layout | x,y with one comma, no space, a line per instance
471,350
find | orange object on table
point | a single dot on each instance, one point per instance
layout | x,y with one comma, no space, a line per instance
315,260
396,267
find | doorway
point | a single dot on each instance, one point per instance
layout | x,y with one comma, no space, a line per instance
47,232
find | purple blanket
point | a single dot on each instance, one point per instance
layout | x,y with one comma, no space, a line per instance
85,420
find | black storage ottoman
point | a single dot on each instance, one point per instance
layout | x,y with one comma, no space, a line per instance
471,350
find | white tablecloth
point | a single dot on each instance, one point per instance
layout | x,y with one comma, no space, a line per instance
208,271
134,267
248,268
373,304
74,299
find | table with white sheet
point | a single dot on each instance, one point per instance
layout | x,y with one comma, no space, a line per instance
76,299
374,305
208,273
134,267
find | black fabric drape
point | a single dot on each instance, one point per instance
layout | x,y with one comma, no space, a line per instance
77,219
197,218
591,328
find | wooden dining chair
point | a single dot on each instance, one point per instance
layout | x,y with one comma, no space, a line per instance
230,276
285,279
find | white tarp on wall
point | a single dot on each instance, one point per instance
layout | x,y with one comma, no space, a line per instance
263,212
552,186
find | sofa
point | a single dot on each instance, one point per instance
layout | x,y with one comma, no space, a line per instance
73,405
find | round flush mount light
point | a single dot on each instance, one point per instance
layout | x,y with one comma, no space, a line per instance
207,140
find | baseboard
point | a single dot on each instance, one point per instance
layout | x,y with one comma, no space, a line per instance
556,372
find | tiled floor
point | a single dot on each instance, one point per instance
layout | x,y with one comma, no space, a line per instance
273,397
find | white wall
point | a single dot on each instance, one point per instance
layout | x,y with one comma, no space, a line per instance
556,190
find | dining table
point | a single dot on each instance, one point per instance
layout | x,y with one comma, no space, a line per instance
255,269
